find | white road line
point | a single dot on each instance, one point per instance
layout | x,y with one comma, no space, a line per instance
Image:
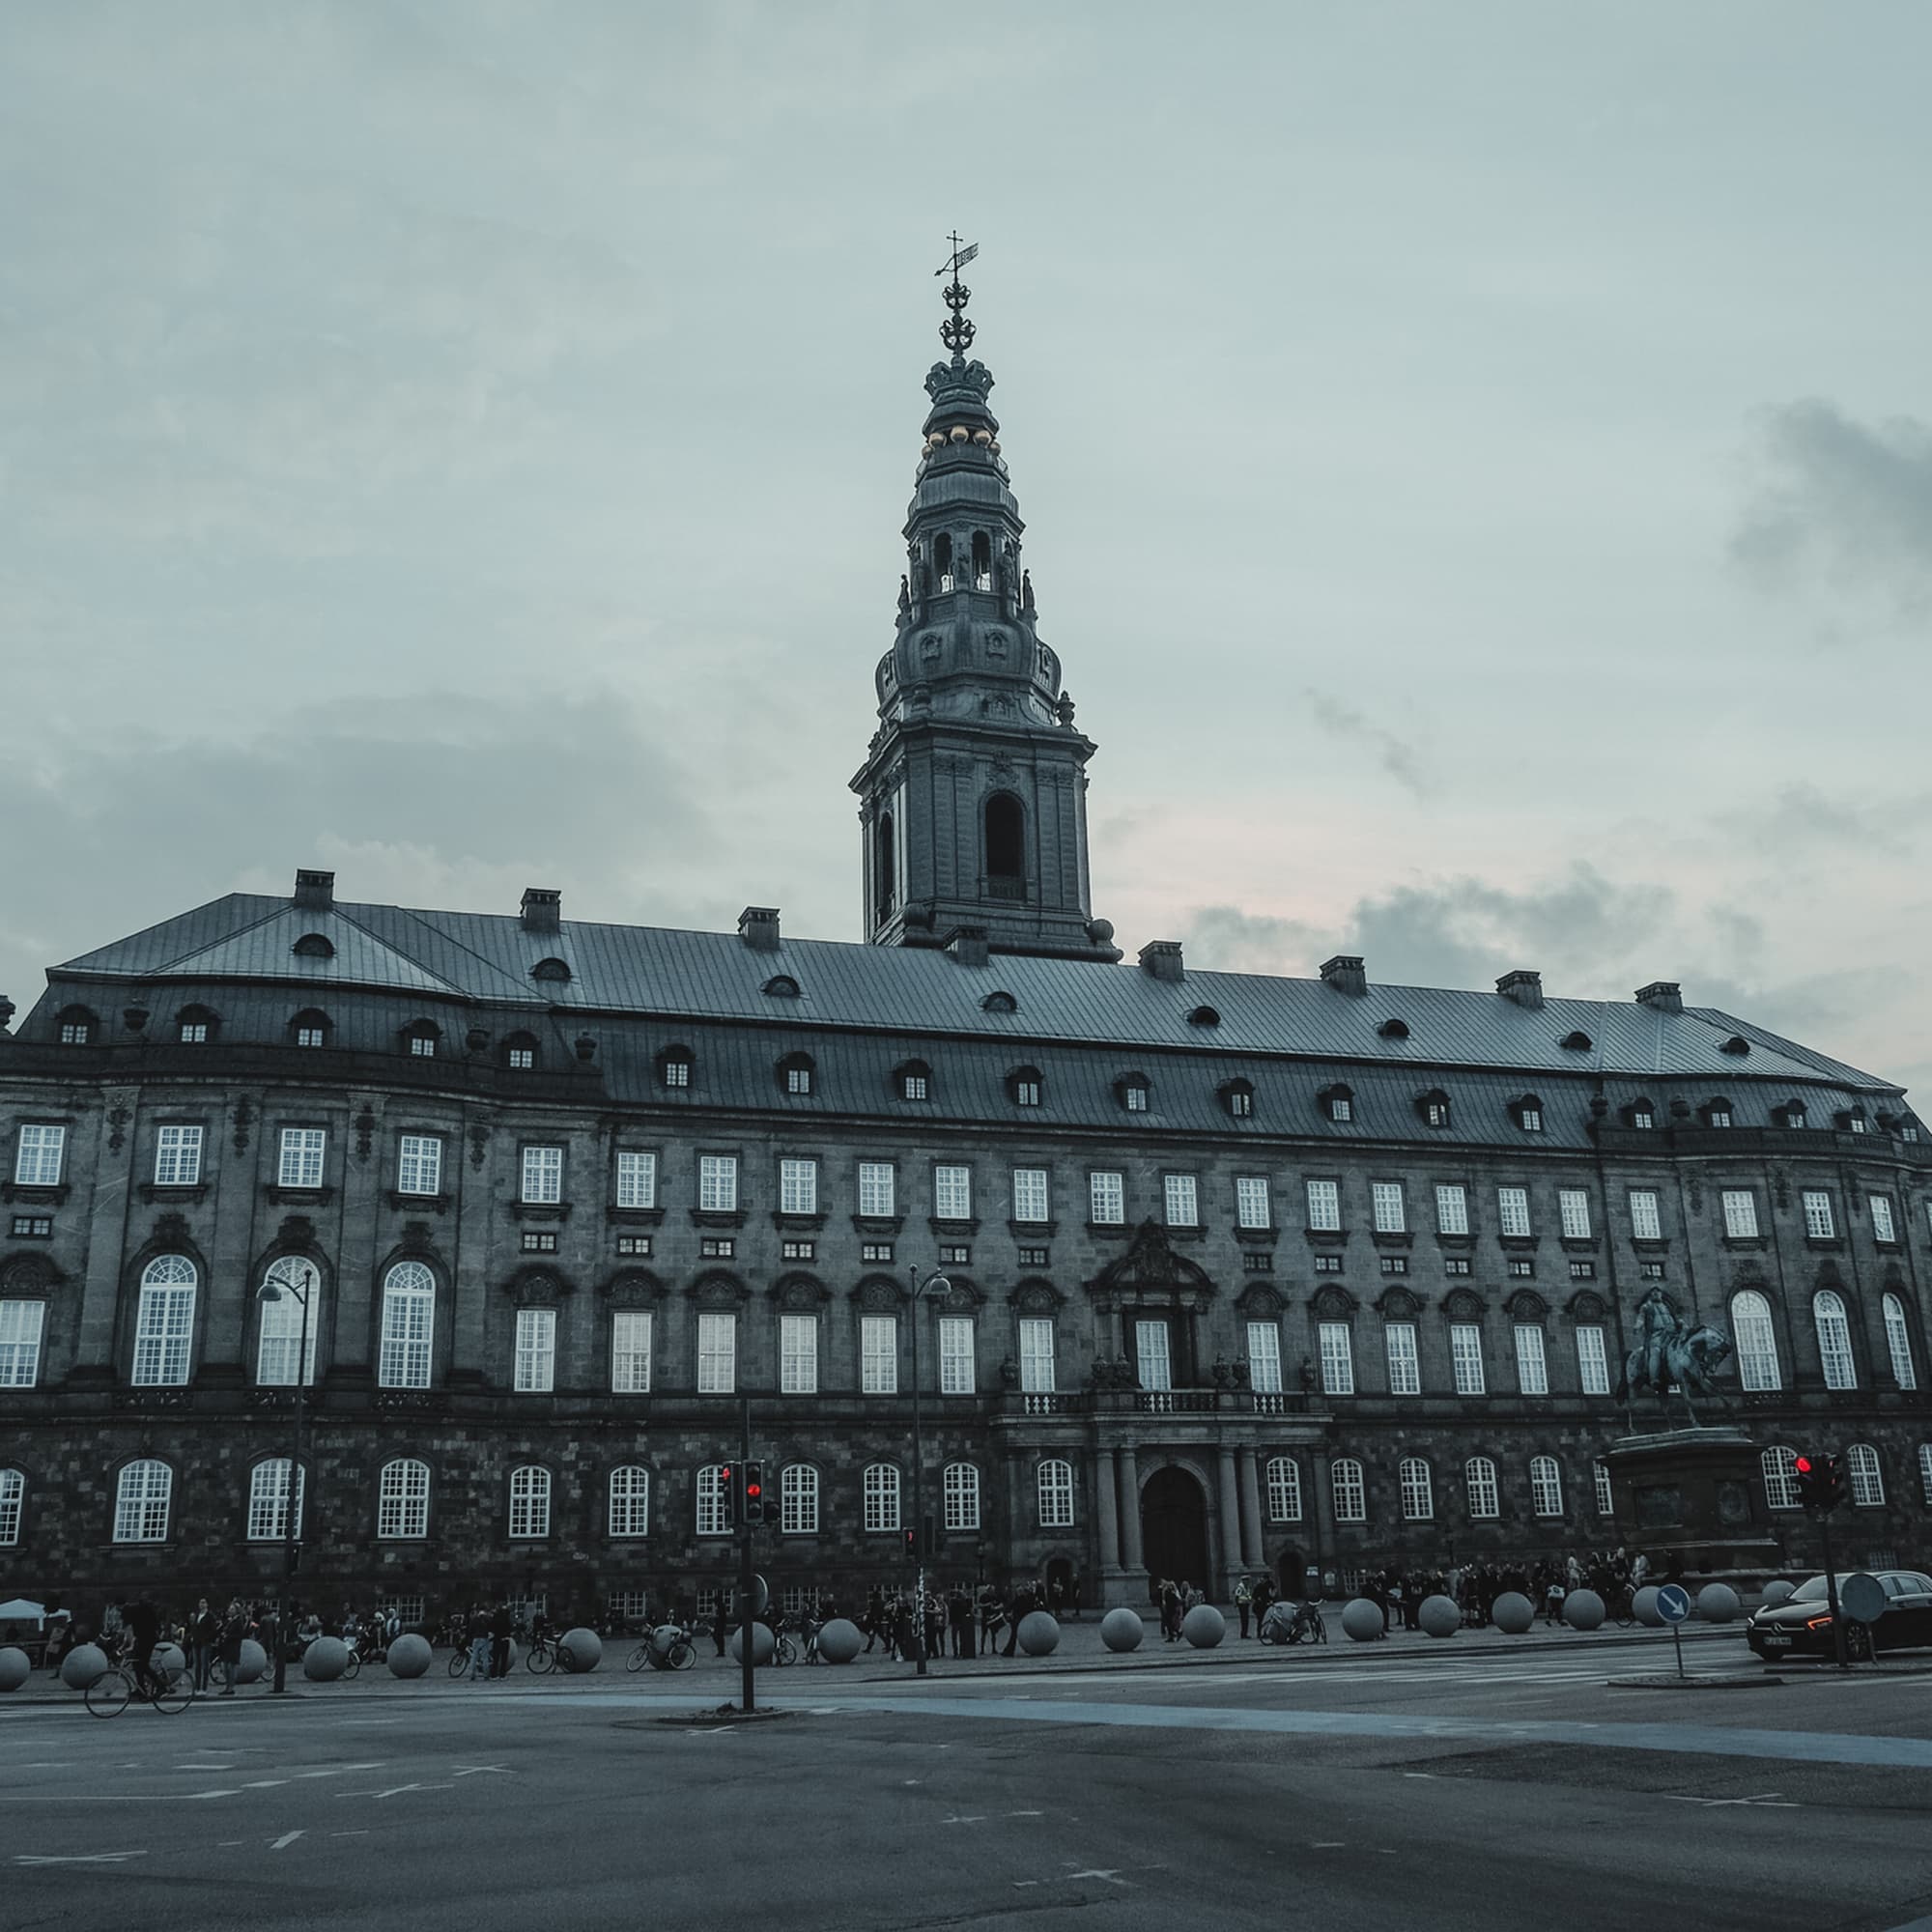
287,1840
82,1858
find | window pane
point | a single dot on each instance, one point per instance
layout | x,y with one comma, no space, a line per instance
882,1498
631,1351
1151,1349
302,1156
1251,1200
718,1184
1452,1211
22,1323
1593,1363
1338,1359
1512,1212
403,1503
1388,1208
716,1353
1404,1371
178,1157
1109,1199
1183,1205
1546,1486
1835,1341
37,1161
797,1354
1479,1484
1056,1496
878,1350
798,1187
536,1351
1818,1225
408,1318
1037,1356
630,1502
1264,1357
1574,1206
875,1188
953,1193
1418,1493
1351,1495
282,1351
1283,1490
1465,1350
1898,1344
963,1496
1029,1194
1739,1214
636,1178
1646,1223
543,1175
798,1500
419,1164
1532,1370
956,1354
1324,1206
1756,1340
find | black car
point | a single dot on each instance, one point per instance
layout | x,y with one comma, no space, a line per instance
1802,1624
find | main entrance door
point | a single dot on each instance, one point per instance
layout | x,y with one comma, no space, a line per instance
1173,1527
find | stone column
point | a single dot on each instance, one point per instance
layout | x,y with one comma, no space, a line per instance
1254,1545
1107,1503
1130,1511
1229,1514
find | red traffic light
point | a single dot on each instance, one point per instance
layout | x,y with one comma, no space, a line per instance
1801,1465
755,1491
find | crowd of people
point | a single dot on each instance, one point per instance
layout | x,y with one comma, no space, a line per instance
1615,1576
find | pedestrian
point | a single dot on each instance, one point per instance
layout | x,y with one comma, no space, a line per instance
502,1623
959,1614
479,1644
721,1624
1245,1599
233,1630
204,1634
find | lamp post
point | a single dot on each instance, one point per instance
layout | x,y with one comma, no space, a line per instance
919,1287
298,1287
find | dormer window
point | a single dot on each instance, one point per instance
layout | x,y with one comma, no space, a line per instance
796,1075
999,1003
1718,1114
421,1038
195,1026
780,986
1790,1114
913,1080
519,1052
1854,1121
1133,1089
314,946
555,970
1025,1084
310,1028
1204,1016
1526,1111
1641,1115
1434,1107
1578,1041
1338,1105
1737,1044
77,1026
674,1065
1394,1029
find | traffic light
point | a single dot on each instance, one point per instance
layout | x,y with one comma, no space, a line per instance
727,1494
1834,1482
912,1541
1821,1481
754,1493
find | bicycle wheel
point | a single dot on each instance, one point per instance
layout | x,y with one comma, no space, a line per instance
459,1662
175,1693
107,1695
683,1655
540,1660
638,1658
787,1651
353,1667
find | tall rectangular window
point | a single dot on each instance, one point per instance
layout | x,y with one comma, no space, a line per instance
1324,1206
536,1351
408,1327
879,1354
1819,1225
1606,1501
797,1354
20,1327
956,1354
875,1189
1029,1194
164,1325
1739,1213
419,1164
718,1184
1251,1200
1386,1197
1338,1359
1151,1353
178,1157
543,1176
1646,1222
631,1351
1884,1228
636,1178
953,1193
1403,1364
1512,1212
716,1353
37,1161
1573,1205
1107,1198
1593,1361
1183,1201
1466,1353
1452,1209
1037,1356
1264,1357
1532,1371
301,1155
798,1187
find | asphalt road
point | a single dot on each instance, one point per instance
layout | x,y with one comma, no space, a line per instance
1429,1791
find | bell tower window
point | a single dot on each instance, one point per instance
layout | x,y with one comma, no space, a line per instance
942,560
1006,847
885,870
982,560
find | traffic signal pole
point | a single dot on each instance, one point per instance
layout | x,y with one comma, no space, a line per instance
1832,1595
747,1666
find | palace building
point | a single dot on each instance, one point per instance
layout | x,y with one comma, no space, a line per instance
1199,1274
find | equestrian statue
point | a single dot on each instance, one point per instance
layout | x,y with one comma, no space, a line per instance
1672,1357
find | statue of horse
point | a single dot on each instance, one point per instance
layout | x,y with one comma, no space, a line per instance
1669,1353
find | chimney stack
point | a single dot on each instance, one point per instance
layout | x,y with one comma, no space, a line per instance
1160,959
1664,996
967,945
1525,989
758,928
542,909
1345,974
315,892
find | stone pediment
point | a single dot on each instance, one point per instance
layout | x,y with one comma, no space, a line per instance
1152,1271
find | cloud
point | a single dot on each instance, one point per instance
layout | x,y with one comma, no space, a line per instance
1397,755
1224,939
1843,505
1801,814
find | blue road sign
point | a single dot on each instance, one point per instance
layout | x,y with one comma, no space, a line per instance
1673,1604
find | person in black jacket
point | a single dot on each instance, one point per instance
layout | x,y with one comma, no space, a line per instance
501,1622
204,1633
142,1623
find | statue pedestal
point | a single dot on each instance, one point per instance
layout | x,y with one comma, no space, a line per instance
1693,1499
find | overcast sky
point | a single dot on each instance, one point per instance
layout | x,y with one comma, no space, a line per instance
1475,457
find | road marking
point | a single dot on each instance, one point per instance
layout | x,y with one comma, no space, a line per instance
396,1790
264,1784
1770,1799
471,1769
287,1840
361,1831
82,1858
1025,1814
1112,1877
973,1818
1329,1845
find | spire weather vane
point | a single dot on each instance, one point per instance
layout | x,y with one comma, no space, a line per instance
955,331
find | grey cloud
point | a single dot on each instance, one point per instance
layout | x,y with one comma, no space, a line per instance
1801,814
1397,755
1224,939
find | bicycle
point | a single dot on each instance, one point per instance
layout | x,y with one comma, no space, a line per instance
677,1653
112,1693
546,1654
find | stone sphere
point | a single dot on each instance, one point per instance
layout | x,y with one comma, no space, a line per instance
1121,1628
168,1658
14,1668
1440,1616
409,1655
1361,1619
584,1649
1513,1613
762,1644
252,1665
1039,1634
1777,1591
82,1664
1644,1603
841,1641
1204,1627
1718,1602
1584,1610
324,1660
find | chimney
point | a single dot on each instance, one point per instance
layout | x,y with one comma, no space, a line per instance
315,892
1664,996
1160,959
758,928
967,945
1524,987
542,909
1347,974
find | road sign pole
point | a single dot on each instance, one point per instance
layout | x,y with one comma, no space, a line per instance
1677,1638
747,1661
1832,1594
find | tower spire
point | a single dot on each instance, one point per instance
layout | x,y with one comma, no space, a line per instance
957,331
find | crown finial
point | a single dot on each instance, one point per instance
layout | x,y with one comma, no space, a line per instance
955,331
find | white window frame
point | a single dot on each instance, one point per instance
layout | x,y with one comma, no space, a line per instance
798,1500
881,1492
402,1501
1030,1195
1532,1360
1336,1343
1925,1474
1820,1225
1404,1358
407,1354
1465,1356
1106,1198
1513,1212
1833,1329
1885,1225
1606,1496
797,1354
1898,1340
282,1351
1573,1207
879,1354
542,1177
1252,1205
1418,1489
535,1369
302,1158
876,1189
176,1156
798,1185
12,1506
952,1192
1264,1357
164,1324
1054,1492
1387,1208
144,1494
269,1500
419,1164
1347,1485
1779,1466
632,1340
717,1351
1864,1476
1481,1493
636,1180
627,1502
1153,1354
710,1514
529,1503
1754,1334
39,1156
1593,1359
1740,1211
1646,1214
959,1485
718,1184
1036,1355
1324,1207
23,1328
1452,1207
1280,1478
958,1355
1546,1487
1182,1196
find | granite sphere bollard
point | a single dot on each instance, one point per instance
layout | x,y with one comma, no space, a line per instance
14,1668
1039,1634
1440,1616
763,1644
584,1649
1778,1591
409,1655
1121,1628
1511,1613
252,1665
168,1658
82,1664
841,1641
1584,1610
1718,1603
324,1660
1644,1605
1204,1627
1361,1619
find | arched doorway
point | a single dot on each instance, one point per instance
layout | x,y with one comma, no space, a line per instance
1174,1526
1290,1576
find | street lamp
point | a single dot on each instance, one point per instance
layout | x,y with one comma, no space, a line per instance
298,1285
918,1288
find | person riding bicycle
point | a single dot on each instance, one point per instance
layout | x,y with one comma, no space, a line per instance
143,1624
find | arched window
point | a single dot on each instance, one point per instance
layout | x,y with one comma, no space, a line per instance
1284,1488
141,1501
1479,1487
77,1026
882,1498
1898,1343
164,1324
1006,847
1578,1042
530,1503
1351,1493
1924,1474
1337,1103
1780,1463
963,1496
555,972
268,1500
1756,1340
1025,1087
942,560
519,1052
409,1326
630,1501
196,1026
796,1075
798,1500
12,1506
1835,1340
1640,1114
1418,1493
780,986
1204,1016
311,1026
885,867
1867,1483
713,1518
982,560
1056,1494
1546,1486
1526,1111
1718,1112
281,1349
402,1501
998,1001
420,1038
314,946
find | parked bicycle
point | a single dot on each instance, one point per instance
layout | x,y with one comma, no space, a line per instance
110,1693
669,1647
546,1654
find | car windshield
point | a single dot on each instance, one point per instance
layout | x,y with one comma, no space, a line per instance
1809,1592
